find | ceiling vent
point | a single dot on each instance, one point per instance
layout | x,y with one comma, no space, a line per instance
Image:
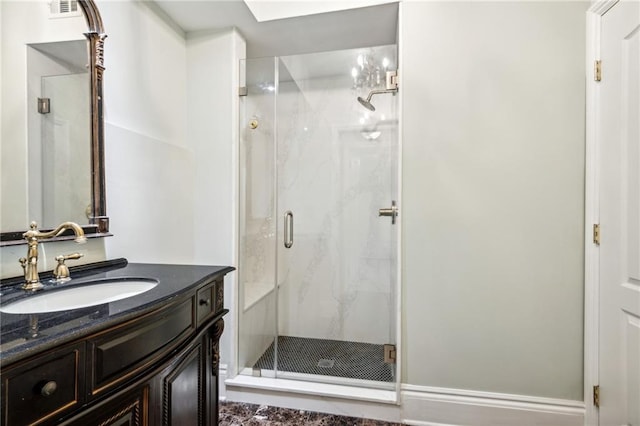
61,8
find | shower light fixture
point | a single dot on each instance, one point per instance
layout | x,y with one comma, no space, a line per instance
369,72
267,87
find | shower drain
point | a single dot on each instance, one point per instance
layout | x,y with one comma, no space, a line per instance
326,363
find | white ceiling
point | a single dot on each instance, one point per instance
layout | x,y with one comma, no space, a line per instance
269,10
346,29
72,53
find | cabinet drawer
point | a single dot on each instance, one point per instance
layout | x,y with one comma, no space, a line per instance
209,301
117,355
41,388
205,302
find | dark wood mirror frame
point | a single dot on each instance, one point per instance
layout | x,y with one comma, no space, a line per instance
98,220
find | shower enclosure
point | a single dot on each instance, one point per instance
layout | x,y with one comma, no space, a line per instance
318,248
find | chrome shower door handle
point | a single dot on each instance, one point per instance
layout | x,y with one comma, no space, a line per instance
288,229
393,212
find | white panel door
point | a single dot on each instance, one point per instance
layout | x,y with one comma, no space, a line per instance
619,153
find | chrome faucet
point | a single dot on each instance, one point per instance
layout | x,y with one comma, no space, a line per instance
33,237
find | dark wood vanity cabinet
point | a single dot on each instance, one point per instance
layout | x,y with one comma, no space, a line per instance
158,369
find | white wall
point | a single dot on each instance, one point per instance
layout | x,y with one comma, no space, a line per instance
493,112
148,162
212,111
212,91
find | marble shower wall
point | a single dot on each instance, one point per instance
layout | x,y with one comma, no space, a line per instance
334,173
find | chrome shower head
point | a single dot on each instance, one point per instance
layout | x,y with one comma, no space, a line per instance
367,103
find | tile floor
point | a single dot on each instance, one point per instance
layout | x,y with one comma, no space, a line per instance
238,414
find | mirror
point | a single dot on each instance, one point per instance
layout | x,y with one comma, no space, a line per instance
51,121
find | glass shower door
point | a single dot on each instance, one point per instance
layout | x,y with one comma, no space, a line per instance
336,167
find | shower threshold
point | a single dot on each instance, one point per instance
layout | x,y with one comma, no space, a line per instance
269,390
329,358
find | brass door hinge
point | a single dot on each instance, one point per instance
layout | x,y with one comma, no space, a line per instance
596,234
596,396
389,353
597,70
44,105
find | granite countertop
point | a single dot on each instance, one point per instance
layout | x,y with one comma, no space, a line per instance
24,335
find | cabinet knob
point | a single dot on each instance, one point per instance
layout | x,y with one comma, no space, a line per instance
49,388
204,302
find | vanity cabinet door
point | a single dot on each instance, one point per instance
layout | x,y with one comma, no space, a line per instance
183,388
188,386
129,408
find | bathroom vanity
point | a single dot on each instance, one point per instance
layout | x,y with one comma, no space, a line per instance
148,359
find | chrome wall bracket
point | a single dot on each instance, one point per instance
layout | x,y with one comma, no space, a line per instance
392,80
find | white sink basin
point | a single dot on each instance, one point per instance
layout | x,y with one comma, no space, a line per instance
94,293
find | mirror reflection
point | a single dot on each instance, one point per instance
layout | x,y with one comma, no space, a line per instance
45,116
58,133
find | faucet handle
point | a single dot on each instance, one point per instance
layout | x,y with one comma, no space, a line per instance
61,271
23,263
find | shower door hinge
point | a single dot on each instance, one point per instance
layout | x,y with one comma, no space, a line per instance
44,105
389,353
392,80
596,396
596,234
242,91
597,70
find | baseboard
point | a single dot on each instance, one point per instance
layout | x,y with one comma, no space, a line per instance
429,406
222,376
419,405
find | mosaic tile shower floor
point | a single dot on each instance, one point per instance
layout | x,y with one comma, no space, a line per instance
325,357
239,414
